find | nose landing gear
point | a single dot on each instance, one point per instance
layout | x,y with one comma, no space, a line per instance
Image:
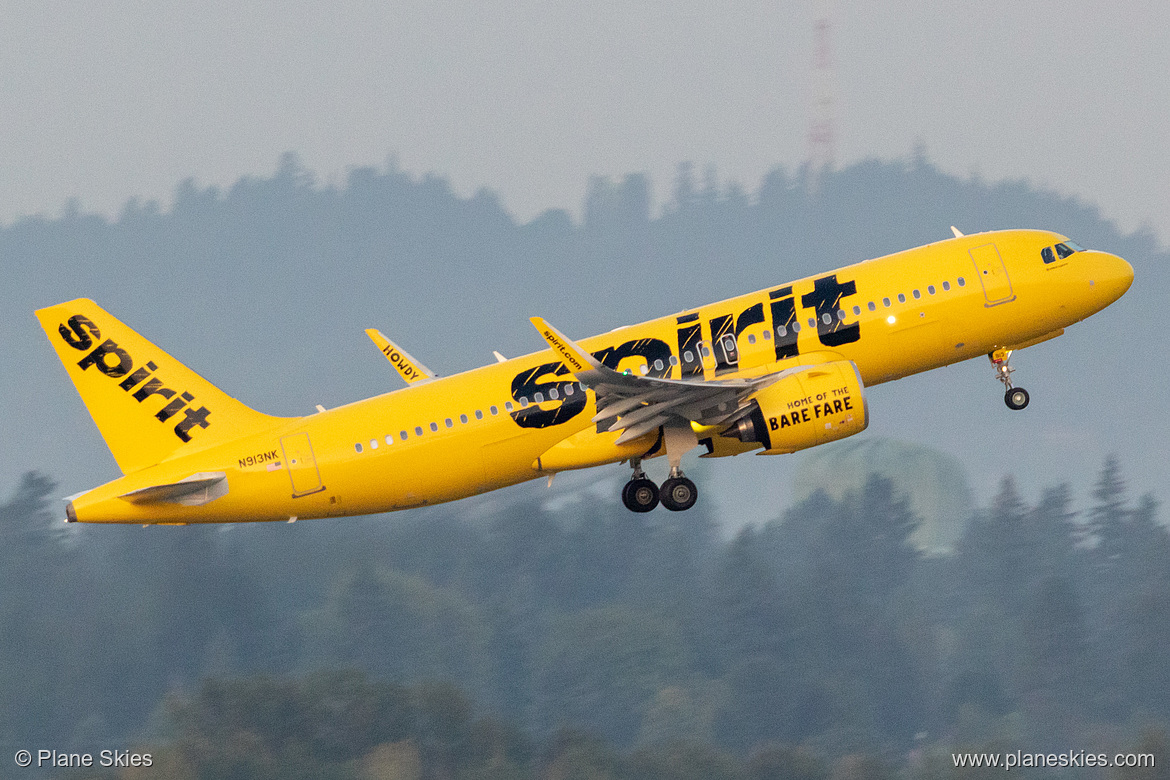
1016,398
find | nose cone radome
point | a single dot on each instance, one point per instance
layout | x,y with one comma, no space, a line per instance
1111,276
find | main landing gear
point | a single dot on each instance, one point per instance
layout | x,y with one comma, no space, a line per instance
677,493
1016,398
640,494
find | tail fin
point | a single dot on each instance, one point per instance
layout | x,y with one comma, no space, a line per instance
147,405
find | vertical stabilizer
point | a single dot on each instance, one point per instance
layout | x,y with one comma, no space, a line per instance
147,405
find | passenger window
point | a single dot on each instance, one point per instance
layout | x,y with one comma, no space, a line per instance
812,322
827,318
373,444
358,446
417,430
658,366
673,362
538,398
767,335
689,356
781,331
840,314
901,297
403,435
507,407
494,410
751,340
434,427
962,282
796,327
1047,256
703,350
389,439
569,390
478,414
554,394
856,311
729,348
946,285
463,419
886,302
523,403
1063,251
449,423
917,295
930,289
872,306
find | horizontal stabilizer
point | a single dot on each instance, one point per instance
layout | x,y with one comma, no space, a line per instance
195,490
412,370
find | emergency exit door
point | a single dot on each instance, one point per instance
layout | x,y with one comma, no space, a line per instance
301,464
993,275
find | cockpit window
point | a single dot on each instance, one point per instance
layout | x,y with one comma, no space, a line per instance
1061,251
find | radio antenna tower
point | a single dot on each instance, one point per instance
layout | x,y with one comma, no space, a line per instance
822,132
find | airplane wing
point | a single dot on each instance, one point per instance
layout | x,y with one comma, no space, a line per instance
412,370
639,404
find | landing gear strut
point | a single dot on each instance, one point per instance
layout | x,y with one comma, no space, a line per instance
640,494
1016,398
677,493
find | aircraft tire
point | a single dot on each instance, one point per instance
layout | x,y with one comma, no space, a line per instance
640,495
1016,398
678,494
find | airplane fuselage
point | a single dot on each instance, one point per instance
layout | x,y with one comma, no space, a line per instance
508,422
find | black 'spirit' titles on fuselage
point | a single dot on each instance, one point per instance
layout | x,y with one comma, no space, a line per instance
824,299
116,363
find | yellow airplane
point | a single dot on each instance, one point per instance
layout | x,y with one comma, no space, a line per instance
777,371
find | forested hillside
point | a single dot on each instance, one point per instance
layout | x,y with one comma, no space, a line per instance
823,631
547,632
266,288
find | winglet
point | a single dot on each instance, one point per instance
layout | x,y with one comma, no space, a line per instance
958,233
577,359
412,370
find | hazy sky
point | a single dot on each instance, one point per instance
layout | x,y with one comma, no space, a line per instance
105,100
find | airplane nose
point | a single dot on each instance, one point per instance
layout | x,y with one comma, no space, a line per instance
1111,275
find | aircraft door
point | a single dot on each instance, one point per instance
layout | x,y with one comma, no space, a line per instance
993,275
301,464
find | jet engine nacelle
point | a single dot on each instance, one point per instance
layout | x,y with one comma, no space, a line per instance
819,405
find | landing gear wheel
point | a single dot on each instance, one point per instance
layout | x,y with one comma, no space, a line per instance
640,495
1016,398
678,494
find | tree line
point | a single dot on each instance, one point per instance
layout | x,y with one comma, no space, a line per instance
822,632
